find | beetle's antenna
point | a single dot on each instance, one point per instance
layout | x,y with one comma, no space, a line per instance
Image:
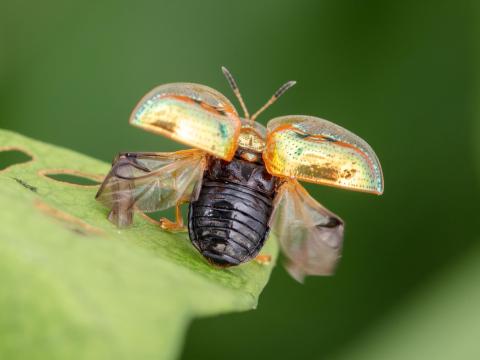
281,90
236,91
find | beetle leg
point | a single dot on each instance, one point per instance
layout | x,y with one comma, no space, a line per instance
174,226
263,259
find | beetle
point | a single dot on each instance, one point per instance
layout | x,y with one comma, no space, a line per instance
241,179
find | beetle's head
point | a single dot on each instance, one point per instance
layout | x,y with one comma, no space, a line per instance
252,136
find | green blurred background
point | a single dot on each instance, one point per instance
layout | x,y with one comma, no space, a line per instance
401,74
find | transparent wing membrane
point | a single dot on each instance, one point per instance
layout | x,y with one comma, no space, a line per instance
309,235
150,182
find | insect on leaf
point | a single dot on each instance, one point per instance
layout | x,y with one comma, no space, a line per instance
79,288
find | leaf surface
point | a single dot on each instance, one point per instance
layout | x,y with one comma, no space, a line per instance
74,286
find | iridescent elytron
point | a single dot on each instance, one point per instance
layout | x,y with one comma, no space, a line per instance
195,115
241,180
318,151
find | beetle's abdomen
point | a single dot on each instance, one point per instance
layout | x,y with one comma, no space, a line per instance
228,223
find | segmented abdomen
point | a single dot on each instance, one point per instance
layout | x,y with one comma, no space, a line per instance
228,223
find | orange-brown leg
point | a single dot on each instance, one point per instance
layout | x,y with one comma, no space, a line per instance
263,259
176,226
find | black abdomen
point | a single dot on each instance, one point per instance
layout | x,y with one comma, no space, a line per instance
228,223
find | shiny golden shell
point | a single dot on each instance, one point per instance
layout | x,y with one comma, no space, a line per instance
316,150
192,114
252,136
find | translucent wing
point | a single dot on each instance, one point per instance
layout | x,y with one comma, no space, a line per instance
192,114
310,236
150,181
315,150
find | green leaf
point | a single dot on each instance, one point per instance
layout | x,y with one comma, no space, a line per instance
74,286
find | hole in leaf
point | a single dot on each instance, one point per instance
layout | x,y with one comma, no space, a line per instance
13,157
72,179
